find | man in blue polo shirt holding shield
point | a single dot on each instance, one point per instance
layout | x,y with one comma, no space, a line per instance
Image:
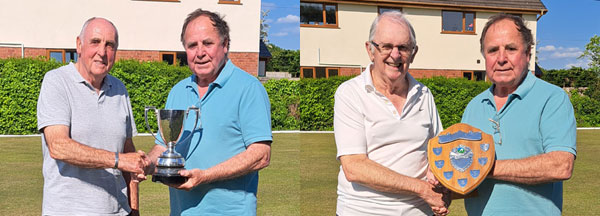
224,155
532,122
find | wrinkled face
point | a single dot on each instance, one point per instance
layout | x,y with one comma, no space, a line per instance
98,47
204,49
391,34
505,54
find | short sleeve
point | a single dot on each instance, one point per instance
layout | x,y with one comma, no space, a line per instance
131,127
53,103
255,114
348,123
557,125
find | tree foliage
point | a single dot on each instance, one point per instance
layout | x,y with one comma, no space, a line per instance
284,60
592,50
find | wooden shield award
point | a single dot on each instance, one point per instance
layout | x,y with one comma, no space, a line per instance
461,157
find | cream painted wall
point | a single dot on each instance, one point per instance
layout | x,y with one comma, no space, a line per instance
142,25
345,46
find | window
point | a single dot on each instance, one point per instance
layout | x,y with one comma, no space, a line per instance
230,2
474,75
381,10
458,22
174,58
63,56
318,72
318,14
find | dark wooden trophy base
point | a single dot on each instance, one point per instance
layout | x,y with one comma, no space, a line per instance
169,179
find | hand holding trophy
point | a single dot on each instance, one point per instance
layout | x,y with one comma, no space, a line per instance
170,128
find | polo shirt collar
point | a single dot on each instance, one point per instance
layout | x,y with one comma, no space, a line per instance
222,78
76,77
521,91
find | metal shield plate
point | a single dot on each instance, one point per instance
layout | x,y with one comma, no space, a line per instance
461,156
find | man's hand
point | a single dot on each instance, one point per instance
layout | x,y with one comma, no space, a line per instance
436,197
133,162
195,178
432,179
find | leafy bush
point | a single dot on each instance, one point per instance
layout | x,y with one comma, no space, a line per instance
452,96
284,60
295,105
148,84
20,82
316,102
285,98
587,110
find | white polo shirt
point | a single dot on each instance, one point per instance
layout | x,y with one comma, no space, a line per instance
366,122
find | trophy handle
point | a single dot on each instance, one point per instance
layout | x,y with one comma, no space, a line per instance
147,124
187,112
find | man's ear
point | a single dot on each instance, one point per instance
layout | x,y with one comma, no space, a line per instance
79,46
414,53
368,47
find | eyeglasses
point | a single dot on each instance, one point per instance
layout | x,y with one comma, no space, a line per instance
496,127
386,48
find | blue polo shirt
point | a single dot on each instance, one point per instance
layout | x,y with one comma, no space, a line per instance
235,112
537,118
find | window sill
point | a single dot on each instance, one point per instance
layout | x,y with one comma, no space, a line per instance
230,2
320,26
463,33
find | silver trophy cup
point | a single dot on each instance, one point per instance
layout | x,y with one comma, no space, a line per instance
170,127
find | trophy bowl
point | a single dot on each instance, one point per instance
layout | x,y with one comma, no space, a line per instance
170,129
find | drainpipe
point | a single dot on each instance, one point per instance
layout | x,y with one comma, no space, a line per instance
17,45
334,64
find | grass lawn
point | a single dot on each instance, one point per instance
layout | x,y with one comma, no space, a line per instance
301,179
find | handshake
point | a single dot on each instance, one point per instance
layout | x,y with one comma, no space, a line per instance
138,164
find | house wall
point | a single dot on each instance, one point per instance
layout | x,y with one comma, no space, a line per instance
145,27
439,54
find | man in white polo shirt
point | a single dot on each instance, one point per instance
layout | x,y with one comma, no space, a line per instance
383,120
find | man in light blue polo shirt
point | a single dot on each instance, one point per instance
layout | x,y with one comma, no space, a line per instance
533,126
233,142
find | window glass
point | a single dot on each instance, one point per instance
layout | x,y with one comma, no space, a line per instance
469,21
467,75
333,72
452,21
56,55
384,9
320,72
307,72
168,58
311,13
330,14
479,75
182,59
70,56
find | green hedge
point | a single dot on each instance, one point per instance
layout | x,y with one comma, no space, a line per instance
316,102
295,105
20,82
285,98
148,84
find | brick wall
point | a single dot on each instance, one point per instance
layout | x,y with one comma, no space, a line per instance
417,73
427,73
142,55
8,52
247,61
347,71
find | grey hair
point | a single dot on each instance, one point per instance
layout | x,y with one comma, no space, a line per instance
395,16
524,32
82,33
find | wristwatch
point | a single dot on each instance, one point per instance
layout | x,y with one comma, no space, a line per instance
116,160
